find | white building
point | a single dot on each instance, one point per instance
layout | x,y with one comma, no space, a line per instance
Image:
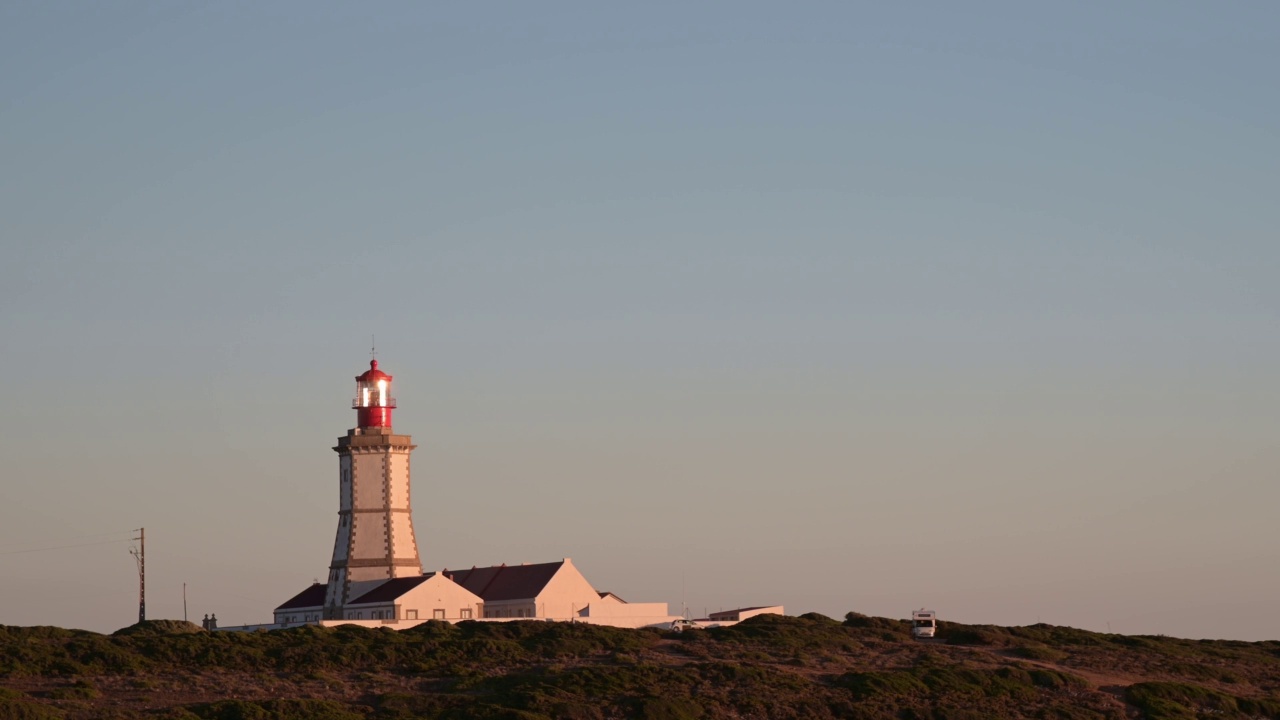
740,614
553,591
375,576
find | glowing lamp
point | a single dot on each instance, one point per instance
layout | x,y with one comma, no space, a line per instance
373,403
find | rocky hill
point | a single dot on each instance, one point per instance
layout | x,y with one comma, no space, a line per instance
766,667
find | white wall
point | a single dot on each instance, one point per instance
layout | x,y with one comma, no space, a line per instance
604,608
368,530
439,593
367,480
399,480
632,615
566,594
505,609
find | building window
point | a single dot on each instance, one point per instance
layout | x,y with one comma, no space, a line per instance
465,613
437,614
410,614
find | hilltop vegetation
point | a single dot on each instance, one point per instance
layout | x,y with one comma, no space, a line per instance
767,667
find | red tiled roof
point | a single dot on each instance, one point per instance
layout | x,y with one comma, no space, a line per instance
606,594
311,597
391,589
506,582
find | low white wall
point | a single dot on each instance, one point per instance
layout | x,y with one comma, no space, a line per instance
607,609
631,621
628,615
394,625
634,621
251,628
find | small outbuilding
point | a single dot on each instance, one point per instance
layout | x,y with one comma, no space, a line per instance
740,614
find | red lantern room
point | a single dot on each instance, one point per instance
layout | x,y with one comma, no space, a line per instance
373,403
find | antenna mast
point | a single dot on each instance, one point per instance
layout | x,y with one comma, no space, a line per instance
140,554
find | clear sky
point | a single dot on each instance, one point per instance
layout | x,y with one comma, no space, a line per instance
846,306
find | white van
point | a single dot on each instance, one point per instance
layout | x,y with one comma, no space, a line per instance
924,623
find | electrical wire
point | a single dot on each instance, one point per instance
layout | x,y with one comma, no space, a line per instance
69,539
64,547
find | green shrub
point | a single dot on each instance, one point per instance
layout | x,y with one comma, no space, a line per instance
176,713
159,627
865,685
1039,652
987,635
26,709
1176,701
764,667
1055,680
1268,708
858,620
669,709
276,710
1069,712
1202,671
1057,635
79,690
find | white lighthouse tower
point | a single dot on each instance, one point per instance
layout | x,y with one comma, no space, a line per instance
375,540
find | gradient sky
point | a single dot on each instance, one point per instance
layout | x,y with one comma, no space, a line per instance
846,306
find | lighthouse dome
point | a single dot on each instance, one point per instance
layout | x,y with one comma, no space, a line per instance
373,374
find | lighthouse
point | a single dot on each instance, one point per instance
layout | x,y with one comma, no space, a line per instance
376,578
375,540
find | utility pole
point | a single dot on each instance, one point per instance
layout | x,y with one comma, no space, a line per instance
140,554
184,602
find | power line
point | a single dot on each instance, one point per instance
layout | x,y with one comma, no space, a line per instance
64,547
70,538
